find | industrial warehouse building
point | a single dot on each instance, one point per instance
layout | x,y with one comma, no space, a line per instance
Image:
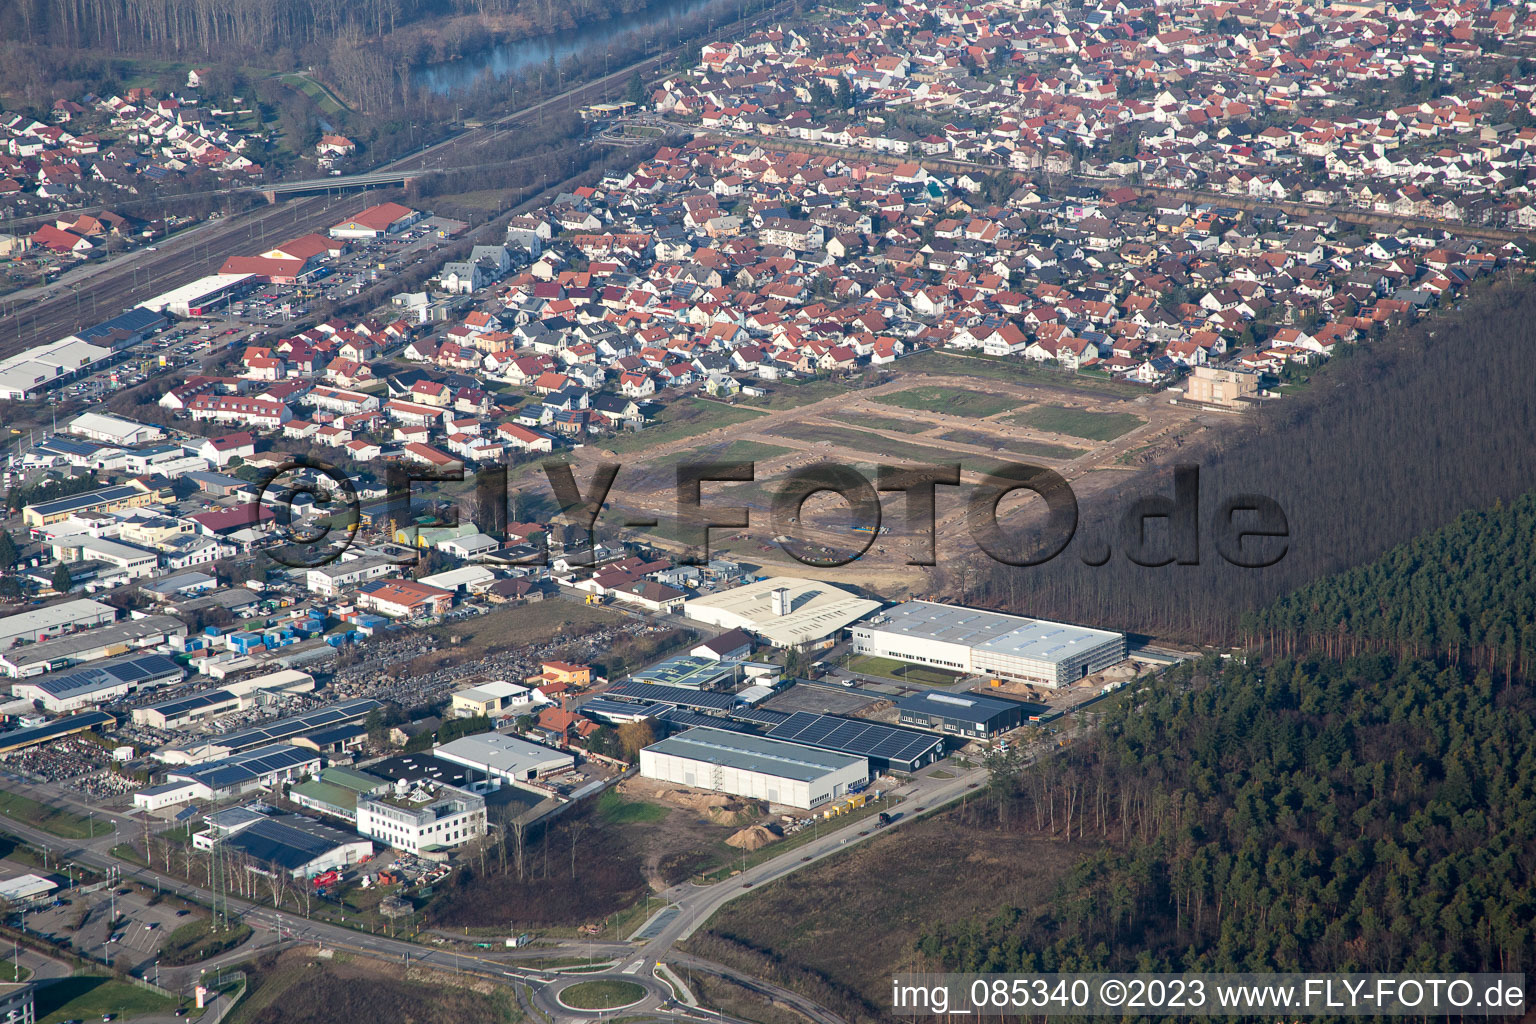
783,773
187,709
90,645
504,756
231,776
296,845
976,642
21,739
786,611
54,620
308,723
96,684
971,715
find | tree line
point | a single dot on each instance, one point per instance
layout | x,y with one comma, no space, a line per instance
1364,814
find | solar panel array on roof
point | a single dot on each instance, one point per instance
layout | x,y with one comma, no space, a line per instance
178,706
130,671
852,736
674,695
682,718
760,716
240,768
289,842
297,725
601,707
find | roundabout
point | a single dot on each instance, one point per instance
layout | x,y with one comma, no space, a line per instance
601,994
586,996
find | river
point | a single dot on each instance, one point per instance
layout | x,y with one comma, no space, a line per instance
452,76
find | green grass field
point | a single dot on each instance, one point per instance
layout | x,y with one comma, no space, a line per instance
683,418
88,996
1095,426
323,97
62,823
894,423
890,668
615,810
10,973
736,451
790,395
606,994
1012,445
1015,370
951,401
194,942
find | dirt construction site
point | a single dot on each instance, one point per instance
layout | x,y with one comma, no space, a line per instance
1095,436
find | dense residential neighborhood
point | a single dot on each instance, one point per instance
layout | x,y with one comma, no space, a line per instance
337,671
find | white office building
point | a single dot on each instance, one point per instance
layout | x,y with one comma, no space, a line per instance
421,820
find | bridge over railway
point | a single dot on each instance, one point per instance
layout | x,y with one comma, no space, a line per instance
337,183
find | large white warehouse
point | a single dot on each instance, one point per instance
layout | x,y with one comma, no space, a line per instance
790,774
979,642
786,611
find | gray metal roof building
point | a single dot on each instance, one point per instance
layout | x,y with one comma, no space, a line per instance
180,711
90,645
972,715
20,739
677,696
777,771
976,641
298,845
52,620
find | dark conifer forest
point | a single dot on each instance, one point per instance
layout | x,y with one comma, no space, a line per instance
1395,438
1465,593
1368,814
1369,808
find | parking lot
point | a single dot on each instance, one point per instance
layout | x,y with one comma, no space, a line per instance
129,941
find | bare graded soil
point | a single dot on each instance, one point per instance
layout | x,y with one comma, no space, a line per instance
836,931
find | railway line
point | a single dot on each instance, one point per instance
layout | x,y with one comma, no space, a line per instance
94,292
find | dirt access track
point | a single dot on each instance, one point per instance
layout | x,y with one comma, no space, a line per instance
915,418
